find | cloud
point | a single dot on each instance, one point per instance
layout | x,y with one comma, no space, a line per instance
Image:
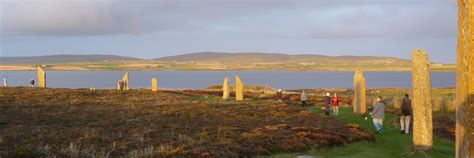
66,17
255,18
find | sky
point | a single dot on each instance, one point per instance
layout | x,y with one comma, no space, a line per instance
156,28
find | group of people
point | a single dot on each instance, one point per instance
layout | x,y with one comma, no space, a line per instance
378,114
331,104
5,82
121,85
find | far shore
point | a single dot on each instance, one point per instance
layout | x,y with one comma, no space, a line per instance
78,68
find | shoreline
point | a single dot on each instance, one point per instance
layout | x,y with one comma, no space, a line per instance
216,90
322,70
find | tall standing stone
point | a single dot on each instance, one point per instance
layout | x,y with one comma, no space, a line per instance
422,105
125,79
225,89
239,89
465,81
360,102
154,85
41,77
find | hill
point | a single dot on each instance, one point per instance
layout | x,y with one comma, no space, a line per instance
61,59
216,61
252,58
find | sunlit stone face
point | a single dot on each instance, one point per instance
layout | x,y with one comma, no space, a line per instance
422,106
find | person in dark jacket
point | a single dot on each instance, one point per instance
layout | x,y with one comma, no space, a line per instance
32,82
327,104
405,117
378,114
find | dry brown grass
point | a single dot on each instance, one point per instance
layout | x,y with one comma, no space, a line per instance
78,123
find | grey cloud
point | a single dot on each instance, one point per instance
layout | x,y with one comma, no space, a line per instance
274,18
66,17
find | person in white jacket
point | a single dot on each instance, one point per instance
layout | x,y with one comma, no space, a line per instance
5,82
304,98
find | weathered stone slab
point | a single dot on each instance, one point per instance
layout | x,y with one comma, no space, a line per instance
225,89
154,84
360,101
41,77
239,89
422,105
465,81
125,79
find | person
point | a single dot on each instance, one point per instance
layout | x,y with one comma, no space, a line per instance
32,82
405,115
119,85
124,85
335,104
279,94
5,82
378,114
327,104
304,98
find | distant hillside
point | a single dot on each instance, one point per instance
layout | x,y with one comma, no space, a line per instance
281,58
61,59
217,58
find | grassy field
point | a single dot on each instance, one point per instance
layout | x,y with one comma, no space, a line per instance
389,144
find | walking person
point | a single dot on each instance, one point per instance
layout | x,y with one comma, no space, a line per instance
5,82
405,115
327,104
378,114
32,82
335,104
304,98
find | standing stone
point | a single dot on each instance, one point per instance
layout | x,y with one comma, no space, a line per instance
154,85
225,89
239,89
465,81
125,79
422,105
360,102
41,77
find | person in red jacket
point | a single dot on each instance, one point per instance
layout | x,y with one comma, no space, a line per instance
335,104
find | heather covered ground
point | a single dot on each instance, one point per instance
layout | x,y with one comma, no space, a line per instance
71,123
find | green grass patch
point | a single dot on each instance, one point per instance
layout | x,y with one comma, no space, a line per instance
389,144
